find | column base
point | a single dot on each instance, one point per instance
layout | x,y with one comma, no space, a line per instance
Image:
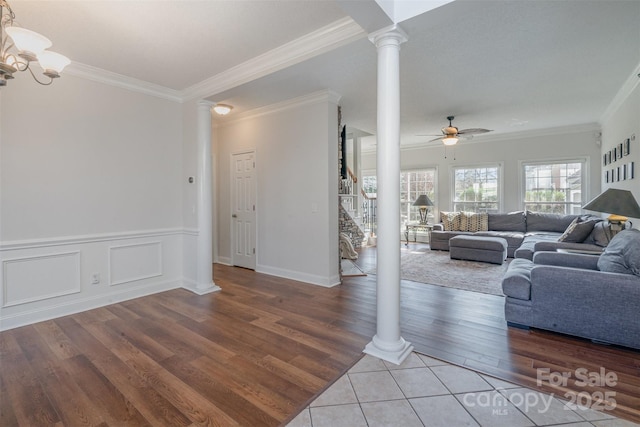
203,289
394,353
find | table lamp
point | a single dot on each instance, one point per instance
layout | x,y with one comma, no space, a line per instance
619,203
423,202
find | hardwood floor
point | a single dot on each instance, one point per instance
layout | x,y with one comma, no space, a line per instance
257,352
468,329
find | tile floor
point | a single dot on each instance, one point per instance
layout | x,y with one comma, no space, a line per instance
427,392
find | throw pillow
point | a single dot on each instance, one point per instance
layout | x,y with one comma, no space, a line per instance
601,234
450,221
622,254
578,230
471,221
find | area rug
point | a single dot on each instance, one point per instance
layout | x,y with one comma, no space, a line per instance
436,268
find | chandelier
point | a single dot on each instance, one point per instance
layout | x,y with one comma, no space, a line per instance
19,48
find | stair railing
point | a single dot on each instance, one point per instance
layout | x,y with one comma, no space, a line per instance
369,213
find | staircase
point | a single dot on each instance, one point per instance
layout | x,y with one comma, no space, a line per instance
350,220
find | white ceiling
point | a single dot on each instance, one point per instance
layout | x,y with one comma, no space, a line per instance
506,65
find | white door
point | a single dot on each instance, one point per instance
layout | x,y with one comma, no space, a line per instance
243,211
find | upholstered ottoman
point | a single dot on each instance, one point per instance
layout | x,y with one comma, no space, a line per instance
478,248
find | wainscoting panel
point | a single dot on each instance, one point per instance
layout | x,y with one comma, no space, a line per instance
130,263
35,278
53,277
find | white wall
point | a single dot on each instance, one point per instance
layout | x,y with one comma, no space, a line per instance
510,151
296,145
91,182
620,125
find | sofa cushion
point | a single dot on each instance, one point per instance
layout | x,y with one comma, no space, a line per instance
451,221
600,235
528,246
622,254
517,280
578,230
471,221
540,221
512,221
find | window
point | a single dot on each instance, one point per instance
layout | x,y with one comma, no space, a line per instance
476,189
370,185
413,184
554,187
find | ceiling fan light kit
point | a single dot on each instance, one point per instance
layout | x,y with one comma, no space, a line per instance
19,47
450,140
452,135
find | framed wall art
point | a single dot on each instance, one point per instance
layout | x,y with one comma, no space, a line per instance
626,146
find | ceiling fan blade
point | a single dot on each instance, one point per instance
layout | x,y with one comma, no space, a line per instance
473,131
435,139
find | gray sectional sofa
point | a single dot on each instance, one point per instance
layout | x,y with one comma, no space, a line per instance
594,297
527,232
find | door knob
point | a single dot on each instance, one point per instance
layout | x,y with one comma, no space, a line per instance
234,216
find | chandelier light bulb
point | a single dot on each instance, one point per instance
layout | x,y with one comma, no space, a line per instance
29,43
450,140
53,63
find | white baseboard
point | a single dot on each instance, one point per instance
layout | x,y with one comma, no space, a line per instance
313,279
224,261
66,308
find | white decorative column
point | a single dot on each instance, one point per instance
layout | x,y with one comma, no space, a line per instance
204,279
387,344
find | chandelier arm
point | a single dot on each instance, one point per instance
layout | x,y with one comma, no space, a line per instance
17,62
6,19
4,3
36,79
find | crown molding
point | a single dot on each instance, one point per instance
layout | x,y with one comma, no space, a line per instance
332,36
311,98
99,75
625,91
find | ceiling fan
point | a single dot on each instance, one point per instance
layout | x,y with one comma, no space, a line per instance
451,134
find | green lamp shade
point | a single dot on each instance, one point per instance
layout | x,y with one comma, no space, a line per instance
616,202
423,200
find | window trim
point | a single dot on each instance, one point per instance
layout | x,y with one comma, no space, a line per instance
584,179
452,180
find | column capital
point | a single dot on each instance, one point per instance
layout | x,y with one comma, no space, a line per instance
392,34
203,103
